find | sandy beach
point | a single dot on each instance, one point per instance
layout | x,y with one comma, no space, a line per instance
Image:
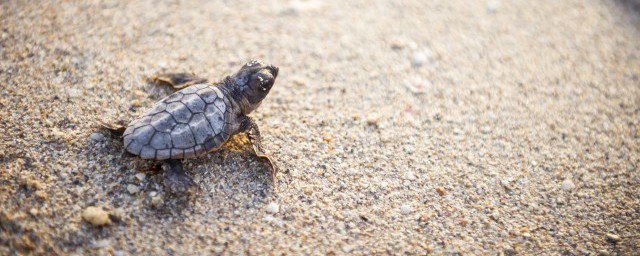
398,127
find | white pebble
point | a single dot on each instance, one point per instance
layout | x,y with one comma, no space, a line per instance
118,253
72,92
568,185
421,57
418,59
100,244
157,200
347,248
96,137
406,209
133,189
613,237
409,176
274,221
273,208
140,176
492,6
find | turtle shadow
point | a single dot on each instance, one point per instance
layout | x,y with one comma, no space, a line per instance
231,174
227,179
630,8
216,193
234,167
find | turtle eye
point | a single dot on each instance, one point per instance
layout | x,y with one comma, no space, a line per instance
241,80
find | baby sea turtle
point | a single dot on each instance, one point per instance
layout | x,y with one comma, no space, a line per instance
200,118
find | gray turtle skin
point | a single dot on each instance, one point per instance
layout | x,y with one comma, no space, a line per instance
200,118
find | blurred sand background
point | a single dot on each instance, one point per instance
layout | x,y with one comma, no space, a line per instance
399,127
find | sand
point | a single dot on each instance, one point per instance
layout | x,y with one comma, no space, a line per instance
398,127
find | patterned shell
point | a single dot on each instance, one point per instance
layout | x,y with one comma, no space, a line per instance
187,123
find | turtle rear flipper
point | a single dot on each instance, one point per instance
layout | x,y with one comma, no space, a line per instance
116,128
178,80
176,180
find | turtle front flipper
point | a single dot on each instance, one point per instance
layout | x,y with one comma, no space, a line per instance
257,147
253,133
178,80
176,180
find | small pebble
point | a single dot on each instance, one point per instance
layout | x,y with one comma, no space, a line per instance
347,248
118,253
568,185
31,183
506,184
157,201
422,57
613,238
133,189
397,44
97,137
40,194
274,221
492,6
406,209
100,244
273,208
96,216
72,92
373,119
140,176
418,85
409,176
419,59
136,103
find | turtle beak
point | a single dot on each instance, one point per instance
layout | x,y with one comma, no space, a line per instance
274,70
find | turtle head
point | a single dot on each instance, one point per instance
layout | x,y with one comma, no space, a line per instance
253,82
